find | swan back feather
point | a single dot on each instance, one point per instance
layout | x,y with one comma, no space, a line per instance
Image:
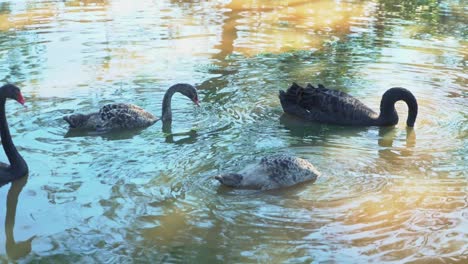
324,105
271,172
113,116
120,115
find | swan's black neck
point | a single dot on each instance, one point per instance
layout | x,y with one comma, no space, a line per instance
17,162
166,105
388,115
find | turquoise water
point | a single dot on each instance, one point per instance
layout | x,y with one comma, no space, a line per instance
385,195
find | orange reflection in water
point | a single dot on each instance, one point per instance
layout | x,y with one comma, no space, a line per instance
253,27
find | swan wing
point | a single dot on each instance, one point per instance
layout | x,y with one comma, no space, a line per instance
287,170
324,105
121,115
328,101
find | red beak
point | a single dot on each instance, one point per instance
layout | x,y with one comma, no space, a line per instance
196,102
20,99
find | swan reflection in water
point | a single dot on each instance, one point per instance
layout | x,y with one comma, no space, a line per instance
191,136
390,155
113,135
15,250
388,134
299,128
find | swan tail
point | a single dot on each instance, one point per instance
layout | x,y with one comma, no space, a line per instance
76,120
291,96
69,120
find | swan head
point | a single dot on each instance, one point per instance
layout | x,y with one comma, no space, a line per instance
17,250
388,114
230,179
13,92
76,120
191,92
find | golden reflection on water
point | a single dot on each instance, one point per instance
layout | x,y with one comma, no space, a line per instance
417,208
279,26
21,21
249,27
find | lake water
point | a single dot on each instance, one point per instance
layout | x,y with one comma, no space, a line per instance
386,194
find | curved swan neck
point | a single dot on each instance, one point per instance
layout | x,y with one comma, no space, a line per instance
15,159
388,114
166,105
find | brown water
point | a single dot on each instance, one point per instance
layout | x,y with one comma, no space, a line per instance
386,194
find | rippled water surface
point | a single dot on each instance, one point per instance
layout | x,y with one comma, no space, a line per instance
385,195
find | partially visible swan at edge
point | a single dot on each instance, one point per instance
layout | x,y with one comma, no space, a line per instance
271,172
18,167
336,107
129,116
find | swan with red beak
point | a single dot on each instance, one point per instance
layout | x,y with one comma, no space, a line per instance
18,167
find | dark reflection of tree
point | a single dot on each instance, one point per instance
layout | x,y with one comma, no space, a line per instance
5,7
433,16
14,65
22,53
15,250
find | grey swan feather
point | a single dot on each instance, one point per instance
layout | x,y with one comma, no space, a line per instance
323,105
129,116
272,172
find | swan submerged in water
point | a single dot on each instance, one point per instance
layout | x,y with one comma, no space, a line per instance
18,167
336,107
128,116
272,172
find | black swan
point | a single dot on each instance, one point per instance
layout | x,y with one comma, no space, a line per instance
335,107
18,167
129,116
271,172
